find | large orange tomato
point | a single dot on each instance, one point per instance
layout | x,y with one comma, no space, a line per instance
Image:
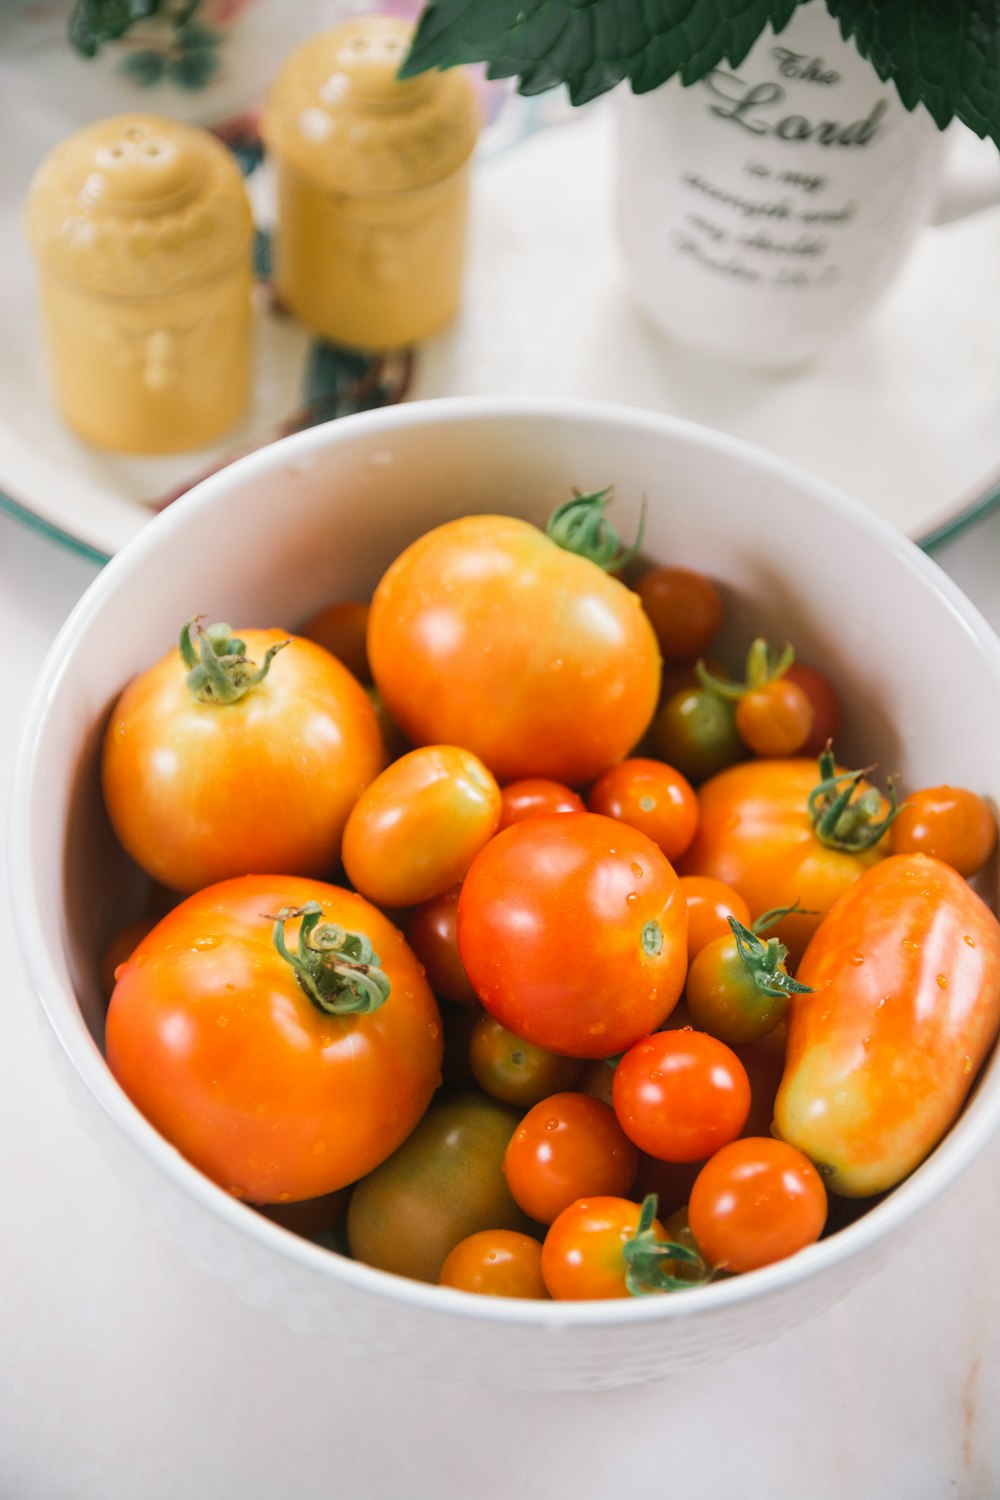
485,633
222,770
279,1077
905,973
759,833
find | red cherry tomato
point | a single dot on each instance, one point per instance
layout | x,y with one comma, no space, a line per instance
574,933
534,797
496,1263
950,823
569,1146
651,796
825,705
757,1201
582,1257
431,933
680,1095
685,608
342,630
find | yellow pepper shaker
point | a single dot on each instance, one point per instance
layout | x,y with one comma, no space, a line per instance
372,186
142,231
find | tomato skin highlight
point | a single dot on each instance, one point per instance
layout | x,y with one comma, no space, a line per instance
755,834
485,633
201,792
573,931
534,797
905,970
214,1040
413,833
496,1263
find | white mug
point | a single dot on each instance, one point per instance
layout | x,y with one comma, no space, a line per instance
764,210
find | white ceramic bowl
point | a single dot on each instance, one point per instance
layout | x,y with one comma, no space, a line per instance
318,516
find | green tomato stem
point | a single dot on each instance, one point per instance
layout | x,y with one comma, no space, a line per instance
840,819
339,970
763,665
219,671
581,526
647,1258
764,962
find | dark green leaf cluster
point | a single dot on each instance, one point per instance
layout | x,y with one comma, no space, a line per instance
940,53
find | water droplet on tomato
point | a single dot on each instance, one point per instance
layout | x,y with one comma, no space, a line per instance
632,897
284,1197
236,1192
942,981
325,1040
866,1042
909,943
636,871
433,1030
971,941
968,1065
856,959
222,1020
598,1029
550,1124
201,944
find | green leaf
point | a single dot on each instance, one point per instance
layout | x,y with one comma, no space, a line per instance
591,45
192,70
944,54
144,68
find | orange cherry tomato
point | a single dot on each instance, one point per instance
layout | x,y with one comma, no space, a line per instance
534,797
825,705
685,609
680,1095
430,932
756,1201
214,1037
198,791
776,718
582,1257
515,1071
906,973
710,904
755,834
342,629
574,933
948,822
496,1263
650,796
414,832
568,1146
485,633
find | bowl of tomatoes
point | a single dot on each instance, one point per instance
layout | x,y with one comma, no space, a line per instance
548,939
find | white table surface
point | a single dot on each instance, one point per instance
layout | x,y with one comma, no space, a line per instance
126,1373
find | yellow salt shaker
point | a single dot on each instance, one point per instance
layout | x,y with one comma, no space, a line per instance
372,186
142,232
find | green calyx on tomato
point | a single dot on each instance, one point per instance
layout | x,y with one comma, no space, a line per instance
842,821
764,962
219,669
581,526
339,970
763,665
648,1259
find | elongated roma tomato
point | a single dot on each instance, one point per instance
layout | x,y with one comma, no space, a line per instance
255,771
756,834
573,931
260,1070
905,970
485,633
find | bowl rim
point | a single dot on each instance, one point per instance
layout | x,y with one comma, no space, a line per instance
979,1122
